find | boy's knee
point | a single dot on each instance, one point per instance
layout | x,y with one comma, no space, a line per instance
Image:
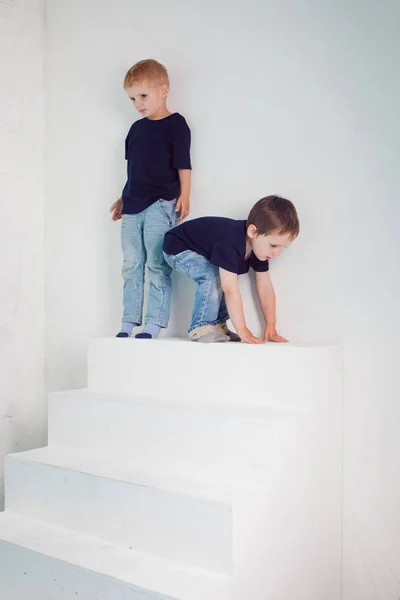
130,265
158,264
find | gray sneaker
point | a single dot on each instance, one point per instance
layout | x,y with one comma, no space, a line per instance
213,338
233,337
223,328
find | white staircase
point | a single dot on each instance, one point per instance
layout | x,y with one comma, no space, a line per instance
183,472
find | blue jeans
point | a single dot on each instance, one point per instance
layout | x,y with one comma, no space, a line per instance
209,306
142,238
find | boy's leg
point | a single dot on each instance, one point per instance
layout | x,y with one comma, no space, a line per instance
223,316
159,218
132,271
208,298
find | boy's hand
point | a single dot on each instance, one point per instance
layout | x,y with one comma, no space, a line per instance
116,209
183,206
246,336
272,335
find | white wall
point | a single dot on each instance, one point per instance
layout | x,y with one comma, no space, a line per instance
297,98
22,400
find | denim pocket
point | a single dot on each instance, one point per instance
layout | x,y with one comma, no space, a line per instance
167,210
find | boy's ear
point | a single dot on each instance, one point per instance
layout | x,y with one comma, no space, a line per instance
164,90
252,231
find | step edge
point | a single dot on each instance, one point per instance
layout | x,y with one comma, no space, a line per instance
272,412
16,456
207,576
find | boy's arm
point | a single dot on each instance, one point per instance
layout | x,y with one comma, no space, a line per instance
233,298
183,204
266,297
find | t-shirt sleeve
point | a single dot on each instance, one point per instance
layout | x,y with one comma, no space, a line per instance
126,147
261,266
225,256
128,139
181,145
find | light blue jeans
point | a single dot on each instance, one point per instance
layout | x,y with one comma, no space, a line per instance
142,238
209,305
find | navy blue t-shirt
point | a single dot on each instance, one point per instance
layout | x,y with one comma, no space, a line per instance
222,241
155,150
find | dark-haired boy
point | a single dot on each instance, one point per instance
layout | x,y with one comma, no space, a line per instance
213,251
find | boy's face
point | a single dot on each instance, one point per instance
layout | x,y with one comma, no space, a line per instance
148,98
269,246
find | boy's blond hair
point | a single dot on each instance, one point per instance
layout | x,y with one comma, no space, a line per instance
150,70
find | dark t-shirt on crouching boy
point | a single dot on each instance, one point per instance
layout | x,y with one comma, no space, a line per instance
222,241
155,151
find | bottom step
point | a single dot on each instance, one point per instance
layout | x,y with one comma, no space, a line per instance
41,562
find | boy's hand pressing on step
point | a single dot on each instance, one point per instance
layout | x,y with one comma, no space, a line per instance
246,336
230,287
116,209
272,335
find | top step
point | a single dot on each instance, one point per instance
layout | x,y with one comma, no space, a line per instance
290,376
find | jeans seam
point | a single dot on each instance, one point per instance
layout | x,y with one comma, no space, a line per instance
163,299
205,302
160,321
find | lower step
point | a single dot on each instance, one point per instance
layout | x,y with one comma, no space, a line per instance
40,562
121,503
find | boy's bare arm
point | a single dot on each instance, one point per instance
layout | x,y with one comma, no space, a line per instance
183,204
234,303
266,297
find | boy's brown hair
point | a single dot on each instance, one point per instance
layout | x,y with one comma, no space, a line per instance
274,214
146,69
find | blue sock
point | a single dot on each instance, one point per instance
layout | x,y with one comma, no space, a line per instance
151,331
126,329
